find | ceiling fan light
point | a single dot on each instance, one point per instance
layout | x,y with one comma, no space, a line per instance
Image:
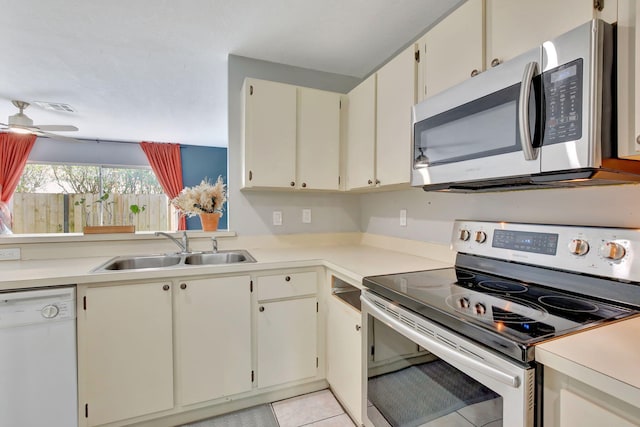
19,130
20,119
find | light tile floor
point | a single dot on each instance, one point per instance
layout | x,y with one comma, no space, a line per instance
319,409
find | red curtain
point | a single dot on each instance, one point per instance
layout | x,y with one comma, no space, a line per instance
14,152
167,165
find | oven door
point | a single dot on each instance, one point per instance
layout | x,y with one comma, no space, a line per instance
416,373
484,128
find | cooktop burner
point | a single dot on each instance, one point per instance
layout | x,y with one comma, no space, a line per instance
568,303
501,286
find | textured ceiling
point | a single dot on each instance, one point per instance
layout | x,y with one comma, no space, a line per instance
157,69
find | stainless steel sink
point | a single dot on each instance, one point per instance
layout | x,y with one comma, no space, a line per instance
221,257
138,262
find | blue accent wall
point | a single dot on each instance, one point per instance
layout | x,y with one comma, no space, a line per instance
199,163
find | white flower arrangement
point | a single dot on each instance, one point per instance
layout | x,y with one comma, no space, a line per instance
202,198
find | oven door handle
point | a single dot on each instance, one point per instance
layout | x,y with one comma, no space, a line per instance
530,153
448,352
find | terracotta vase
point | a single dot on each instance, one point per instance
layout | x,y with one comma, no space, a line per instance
209,221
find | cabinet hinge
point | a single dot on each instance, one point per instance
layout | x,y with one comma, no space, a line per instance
250,175
253,376
250,89
317,362
338,179
341,103
373,350
417,55
316,307
598,5
251,286
86,410
84,303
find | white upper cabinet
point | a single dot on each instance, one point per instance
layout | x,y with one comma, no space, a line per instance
628,79
361,135
379,125
291,137
269,134
515,26
318,148
396,95
453,50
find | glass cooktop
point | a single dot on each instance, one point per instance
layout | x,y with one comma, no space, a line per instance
475,303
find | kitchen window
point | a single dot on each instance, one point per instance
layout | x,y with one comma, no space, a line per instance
63,198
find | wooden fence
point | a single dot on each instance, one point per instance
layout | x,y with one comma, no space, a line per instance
67,213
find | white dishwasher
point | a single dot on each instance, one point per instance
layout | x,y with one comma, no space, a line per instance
38,375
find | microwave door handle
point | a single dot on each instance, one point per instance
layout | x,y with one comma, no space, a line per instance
530,153
449,353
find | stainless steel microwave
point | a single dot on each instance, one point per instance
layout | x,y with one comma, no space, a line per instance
543,119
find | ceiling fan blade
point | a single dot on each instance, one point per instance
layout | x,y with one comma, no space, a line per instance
56,128
56,136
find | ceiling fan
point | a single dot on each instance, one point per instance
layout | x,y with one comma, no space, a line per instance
20,122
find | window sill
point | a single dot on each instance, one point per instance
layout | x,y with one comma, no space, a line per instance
13,239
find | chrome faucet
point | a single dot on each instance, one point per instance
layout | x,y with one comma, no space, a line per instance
183,245
214,242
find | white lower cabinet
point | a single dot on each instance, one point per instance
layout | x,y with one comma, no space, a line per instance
344,355
130,333
286,328
148,350
125,352
569,402
212,327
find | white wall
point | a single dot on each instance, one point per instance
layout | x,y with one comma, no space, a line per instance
251,211
430,215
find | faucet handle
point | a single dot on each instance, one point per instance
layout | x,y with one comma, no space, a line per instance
214,243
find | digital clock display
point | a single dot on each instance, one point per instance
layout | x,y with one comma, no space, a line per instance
526,241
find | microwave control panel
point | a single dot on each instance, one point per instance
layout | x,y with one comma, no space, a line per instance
563,103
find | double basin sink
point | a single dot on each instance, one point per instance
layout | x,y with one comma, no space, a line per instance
175,260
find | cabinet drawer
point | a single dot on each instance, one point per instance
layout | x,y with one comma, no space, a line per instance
286,285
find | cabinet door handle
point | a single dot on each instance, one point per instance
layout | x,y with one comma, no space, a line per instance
304,185
358,327
369,182
495,62
474,72
377,181
261,309
292,183
183,286
165,287
638,139
287,279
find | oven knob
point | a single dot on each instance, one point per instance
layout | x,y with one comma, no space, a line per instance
49,311
481,236
612,250
480,309
464,235
578,247
464,302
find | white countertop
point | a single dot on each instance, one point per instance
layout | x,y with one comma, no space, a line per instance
606,358
354,262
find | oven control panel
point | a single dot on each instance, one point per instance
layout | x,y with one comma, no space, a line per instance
597,251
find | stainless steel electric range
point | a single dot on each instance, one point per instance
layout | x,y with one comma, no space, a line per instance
469,331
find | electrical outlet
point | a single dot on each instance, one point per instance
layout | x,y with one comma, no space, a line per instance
403,217
9,254
277,217
306,216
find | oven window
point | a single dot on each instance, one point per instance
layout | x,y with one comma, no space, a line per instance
408,386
